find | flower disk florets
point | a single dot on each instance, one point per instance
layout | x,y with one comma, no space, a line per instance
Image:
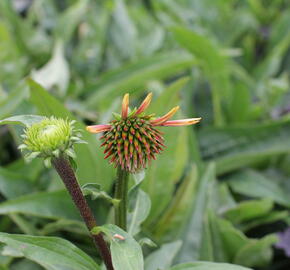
132,142
50,138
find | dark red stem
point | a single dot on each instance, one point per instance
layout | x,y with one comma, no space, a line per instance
66,173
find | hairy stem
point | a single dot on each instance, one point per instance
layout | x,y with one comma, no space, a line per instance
121,194
66,173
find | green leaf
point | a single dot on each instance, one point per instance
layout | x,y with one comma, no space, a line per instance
95,191
14,184
248,210
42,204
139,213
227,242
171,223
123,31
254,184
215,241
240,104
192,239
236,147
126,253
25,120
272,63
131,77
55,73
271,217
10,104
213,63
257,253
147,242
50,252
163,257
70,19
25,265
168,98
31,170
208,266
90,161
231,240
74,226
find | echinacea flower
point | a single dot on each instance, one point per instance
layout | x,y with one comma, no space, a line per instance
50,138
131,140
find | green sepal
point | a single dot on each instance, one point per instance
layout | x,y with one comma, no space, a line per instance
71,153
56,153
21,147
131,113
29,157
96,230
117,116
47,162
147,242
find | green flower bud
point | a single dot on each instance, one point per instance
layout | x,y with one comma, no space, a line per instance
50,138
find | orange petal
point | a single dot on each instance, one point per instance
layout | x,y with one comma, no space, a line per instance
145,104
98,128
165,117
125,106
182,122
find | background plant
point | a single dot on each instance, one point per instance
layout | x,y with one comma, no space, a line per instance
221,188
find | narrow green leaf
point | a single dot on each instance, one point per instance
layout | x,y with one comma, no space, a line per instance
133,76
25,264
257,253
232,238
220,253
172,222
26,120
9,104
236,147
254,184
142,206
192,238
208,266
42,204
213,63
228,241
273,216
248,210
240,105
14,184
50,252
123,31
69,20
64,225
163,257
55,73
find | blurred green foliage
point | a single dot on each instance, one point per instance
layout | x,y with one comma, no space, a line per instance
221,187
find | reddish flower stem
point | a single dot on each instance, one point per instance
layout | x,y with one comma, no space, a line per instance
66,173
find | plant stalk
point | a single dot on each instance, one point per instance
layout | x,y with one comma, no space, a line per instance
66,173
121,194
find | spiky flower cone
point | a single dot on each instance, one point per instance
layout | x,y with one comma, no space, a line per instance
131,140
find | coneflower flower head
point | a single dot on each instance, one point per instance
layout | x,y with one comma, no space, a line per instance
49,138
131,139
